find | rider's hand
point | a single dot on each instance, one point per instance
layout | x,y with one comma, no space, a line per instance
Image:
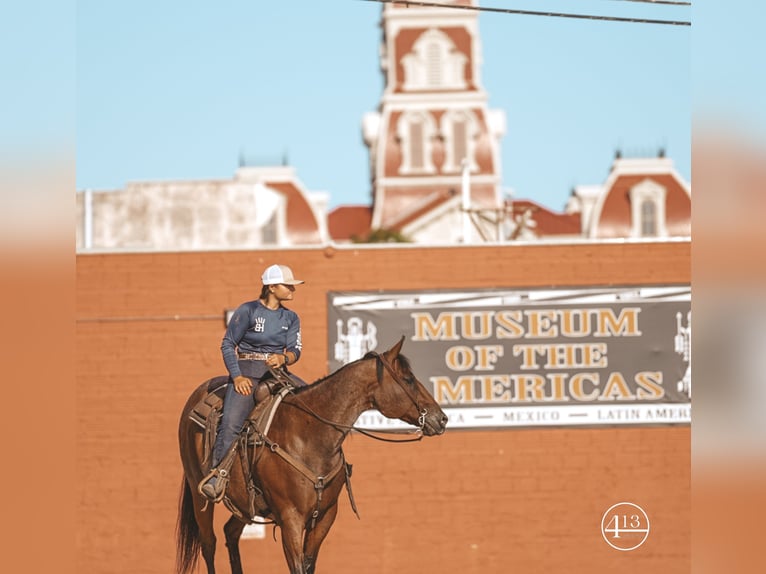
243,385
276,360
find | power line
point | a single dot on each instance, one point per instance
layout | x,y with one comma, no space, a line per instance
668,2
532,13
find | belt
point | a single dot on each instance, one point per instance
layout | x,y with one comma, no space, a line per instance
253,356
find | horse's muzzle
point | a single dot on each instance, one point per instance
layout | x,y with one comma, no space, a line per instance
435,424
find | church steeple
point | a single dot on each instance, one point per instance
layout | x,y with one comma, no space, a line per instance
433,115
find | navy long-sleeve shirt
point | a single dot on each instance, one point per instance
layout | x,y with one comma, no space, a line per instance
254,328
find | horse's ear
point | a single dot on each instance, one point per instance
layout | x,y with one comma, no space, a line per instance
393,352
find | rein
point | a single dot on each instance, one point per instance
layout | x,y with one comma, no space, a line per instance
368,432
360,430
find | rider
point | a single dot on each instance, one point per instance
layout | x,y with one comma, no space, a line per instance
261,334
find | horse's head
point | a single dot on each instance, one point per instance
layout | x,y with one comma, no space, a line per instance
400,395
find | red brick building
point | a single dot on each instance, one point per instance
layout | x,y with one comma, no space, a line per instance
149,327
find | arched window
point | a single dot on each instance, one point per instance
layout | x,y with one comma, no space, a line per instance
434,63
648,218
647,207
460,130
415,131
417,145
270,231
458,144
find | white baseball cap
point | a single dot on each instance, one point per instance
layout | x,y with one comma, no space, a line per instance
279,274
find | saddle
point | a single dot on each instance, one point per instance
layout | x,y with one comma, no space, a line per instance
207,412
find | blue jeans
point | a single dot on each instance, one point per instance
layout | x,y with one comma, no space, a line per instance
236,407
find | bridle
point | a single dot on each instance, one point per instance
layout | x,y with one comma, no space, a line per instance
381,363
381,360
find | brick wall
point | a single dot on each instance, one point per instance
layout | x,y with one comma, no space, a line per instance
148,332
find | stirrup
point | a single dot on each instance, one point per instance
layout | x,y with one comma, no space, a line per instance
221,482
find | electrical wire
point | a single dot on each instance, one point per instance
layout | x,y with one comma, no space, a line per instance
533,13
667,2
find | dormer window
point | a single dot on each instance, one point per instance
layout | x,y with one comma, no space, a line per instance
416,131
434,64
647,207
648,218
270,231
460,130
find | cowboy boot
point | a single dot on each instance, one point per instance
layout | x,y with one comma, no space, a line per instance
214,487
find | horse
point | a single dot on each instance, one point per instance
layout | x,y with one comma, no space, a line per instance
304,440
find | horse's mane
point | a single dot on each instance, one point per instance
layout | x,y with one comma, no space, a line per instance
403,362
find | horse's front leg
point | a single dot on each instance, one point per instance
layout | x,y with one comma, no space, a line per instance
292,527
233,531
316,536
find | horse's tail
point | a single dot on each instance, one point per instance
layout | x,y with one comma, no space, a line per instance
188,543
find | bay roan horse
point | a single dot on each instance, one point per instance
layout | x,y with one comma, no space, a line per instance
310,424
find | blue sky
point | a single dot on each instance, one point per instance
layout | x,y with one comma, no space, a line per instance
177,90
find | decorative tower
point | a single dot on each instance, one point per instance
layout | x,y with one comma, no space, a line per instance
431,122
